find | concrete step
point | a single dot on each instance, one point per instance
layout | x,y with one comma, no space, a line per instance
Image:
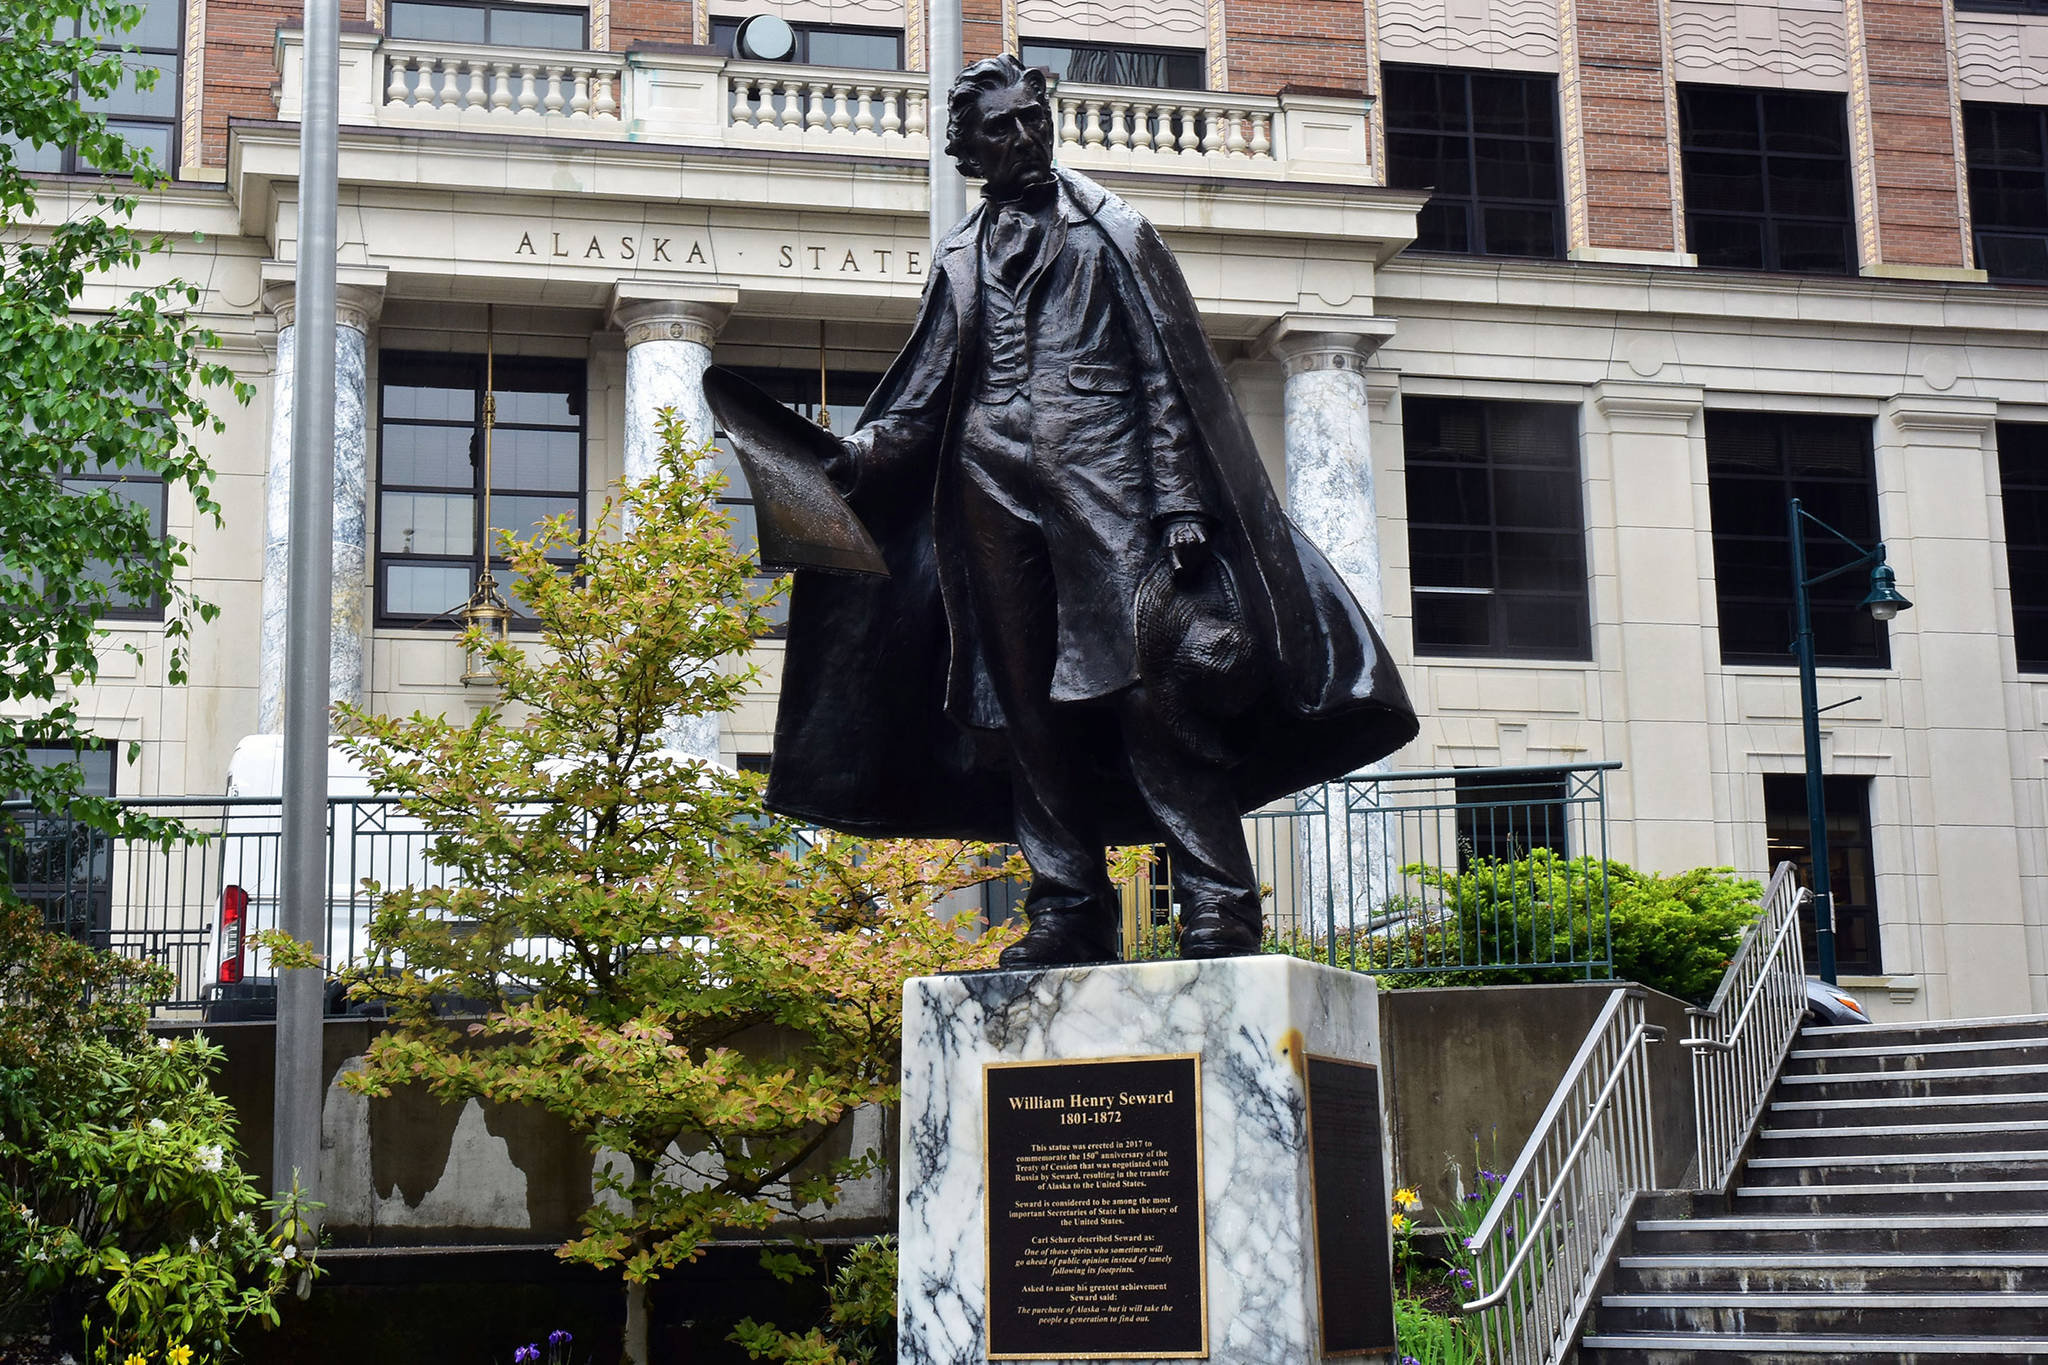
2013,1272
1872,1168
1844,1233
1810,1061
1958,1196
1907,1035
1701,1348
2017,1079
1893,1111
1902,1138
1873,1316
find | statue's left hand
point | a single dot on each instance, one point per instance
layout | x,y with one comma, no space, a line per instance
1186,541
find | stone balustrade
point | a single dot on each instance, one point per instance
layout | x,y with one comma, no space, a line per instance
693,98
446,83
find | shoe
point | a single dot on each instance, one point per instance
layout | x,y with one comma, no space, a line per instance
1211,933
1062,938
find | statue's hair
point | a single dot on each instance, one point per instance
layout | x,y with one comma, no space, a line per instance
994,73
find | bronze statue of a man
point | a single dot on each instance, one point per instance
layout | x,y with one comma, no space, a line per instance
1098,625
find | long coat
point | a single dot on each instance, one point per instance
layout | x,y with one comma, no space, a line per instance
884,723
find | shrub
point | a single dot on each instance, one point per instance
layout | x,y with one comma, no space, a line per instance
126,1226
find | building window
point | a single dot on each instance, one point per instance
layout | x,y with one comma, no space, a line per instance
145,119
858,49
1148,68
1766,179
2005,6
488,25
1496,531
1757,462
57,864
798,389
431,476
1851,870
143,491
1485,143
2023,479
2007,150
1507,820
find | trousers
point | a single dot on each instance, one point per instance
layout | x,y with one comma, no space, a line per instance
1016,610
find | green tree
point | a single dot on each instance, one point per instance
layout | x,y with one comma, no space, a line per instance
107,393
702,991
126,1224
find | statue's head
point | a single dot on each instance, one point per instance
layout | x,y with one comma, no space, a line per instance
999,126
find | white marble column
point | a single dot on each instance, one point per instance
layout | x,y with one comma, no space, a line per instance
1328,421
668,347
355,311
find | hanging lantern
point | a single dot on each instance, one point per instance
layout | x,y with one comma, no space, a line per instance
488,613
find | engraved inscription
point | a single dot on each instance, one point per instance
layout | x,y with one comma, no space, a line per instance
1094,1210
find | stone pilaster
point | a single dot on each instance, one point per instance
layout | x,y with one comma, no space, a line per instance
669,336
356,308
1327,411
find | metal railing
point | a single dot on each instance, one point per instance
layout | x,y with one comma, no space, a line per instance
1427,873
1443,874
1738,1042
1540,1249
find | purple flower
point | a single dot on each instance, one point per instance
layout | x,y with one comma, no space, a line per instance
1410,1360
559,1338
526,1355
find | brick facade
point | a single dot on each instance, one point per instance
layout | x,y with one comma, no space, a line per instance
241,64
1622,111
1906,55
1273,43
981,29
650,21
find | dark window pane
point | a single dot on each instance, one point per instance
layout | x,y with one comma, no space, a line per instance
431,437
1496,534
1766,179
1757,462
1851,862
2006,148
2023,479
1485,145
160,100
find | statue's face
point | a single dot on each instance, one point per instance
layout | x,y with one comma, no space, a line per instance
1012,139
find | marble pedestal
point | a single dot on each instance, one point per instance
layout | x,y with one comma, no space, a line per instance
1262,1028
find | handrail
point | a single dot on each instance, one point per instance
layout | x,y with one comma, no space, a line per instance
1592,1150
1735,1062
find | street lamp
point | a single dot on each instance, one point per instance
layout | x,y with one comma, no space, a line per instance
1883,602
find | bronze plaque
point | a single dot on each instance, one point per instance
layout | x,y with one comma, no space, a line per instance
1354,1256
1094,1209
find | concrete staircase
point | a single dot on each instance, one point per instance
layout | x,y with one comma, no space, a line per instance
1894,1208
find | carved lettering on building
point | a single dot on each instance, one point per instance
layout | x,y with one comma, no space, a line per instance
699,252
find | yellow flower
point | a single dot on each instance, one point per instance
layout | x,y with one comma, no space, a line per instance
1407,1199
179,1355
1399,1221
136,1358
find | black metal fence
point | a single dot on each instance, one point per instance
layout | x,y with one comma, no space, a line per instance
1417,872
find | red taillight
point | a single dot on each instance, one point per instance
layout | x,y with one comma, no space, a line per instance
234,914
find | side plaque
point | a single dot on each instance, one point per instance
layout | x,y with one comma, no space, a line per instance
1094,1217
1354,1265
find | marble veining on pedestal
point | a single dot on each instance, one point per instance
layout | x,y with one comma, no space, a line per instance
1252,1021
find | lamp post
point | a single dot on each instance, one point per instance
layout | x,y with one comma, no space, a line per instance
1883,602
